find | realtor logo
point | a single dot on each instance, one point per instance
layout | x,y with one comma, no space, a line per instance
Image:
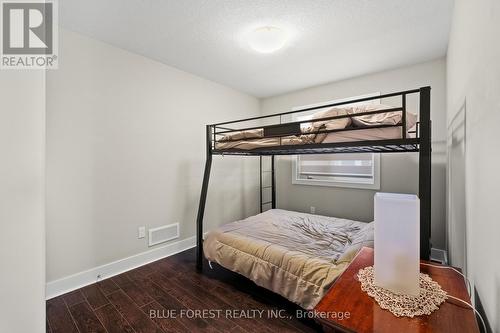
29,34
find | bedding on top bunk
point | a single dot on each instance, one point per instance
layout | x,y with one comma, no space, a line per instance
296,255
251,139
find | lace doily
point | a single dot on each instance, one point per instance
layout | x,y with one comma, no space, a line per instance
430,298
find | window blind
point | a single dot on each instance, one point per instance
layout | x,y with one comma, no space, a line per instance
336,165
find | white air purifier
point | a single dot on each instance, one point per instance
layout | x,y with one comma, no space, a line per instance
397,243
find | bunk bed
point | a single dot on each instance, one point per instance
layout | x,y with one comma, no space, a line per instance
299,255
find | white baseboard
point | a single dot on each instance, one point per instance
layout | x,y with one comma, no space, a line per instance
78,280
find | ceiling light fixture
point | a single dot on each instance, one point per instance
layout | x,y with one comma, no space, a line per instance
267,39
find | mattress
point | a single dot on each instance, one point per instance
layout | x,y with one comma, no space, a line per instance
367,134
296,255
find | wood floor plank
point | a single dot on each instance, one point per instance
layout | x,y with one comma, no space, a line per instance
94,296
169,302
59,318
187,269
137,294
123,303
107,286
143,271
167,264
191,301
133,290
243,300
247,302
157,266
209,299
140,322
73,297
112,320
47,327
85,319
231,297
207,281
170,271
121,279
173,289
169,325
176,283
212,301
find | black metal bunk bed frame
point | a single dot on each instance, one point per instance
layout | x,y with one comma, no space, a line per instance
421,143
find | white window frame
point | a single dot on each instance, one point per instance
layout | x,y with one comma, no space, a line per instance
346,182
349,182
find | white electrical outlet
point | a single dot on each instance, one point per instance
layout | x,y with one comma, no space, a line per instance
141,232
313,210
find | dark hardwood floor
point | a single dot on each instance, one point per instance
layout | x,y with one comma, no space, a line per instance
139,301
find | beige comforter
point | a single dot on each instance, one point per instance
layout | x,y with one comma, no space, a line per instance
252,139
294,254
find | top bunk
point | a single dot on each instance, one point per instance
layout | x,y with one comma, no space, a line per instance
394,122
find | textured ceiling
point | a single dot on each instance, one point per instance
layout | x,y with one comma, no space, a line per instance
331,39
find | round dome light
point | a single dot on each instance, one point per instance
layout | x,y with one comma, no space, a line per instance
267,39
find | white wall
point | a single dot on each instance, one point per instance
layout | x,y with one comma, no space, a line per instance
126,148
399,172
22,236
474,79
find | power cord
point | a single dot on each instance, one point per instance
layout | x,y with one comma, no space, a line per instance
469,291
469,288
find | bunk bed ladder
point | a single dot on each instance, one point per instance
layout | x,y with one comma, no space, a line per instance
264,185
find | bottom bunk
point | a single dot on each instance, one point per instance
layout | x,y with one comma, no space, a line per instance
296,255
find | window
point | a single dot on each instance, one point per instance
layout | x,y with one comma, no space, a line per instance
361,170
342,170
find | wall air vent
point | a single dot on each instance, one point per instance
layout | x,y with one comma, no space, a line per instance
163,234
